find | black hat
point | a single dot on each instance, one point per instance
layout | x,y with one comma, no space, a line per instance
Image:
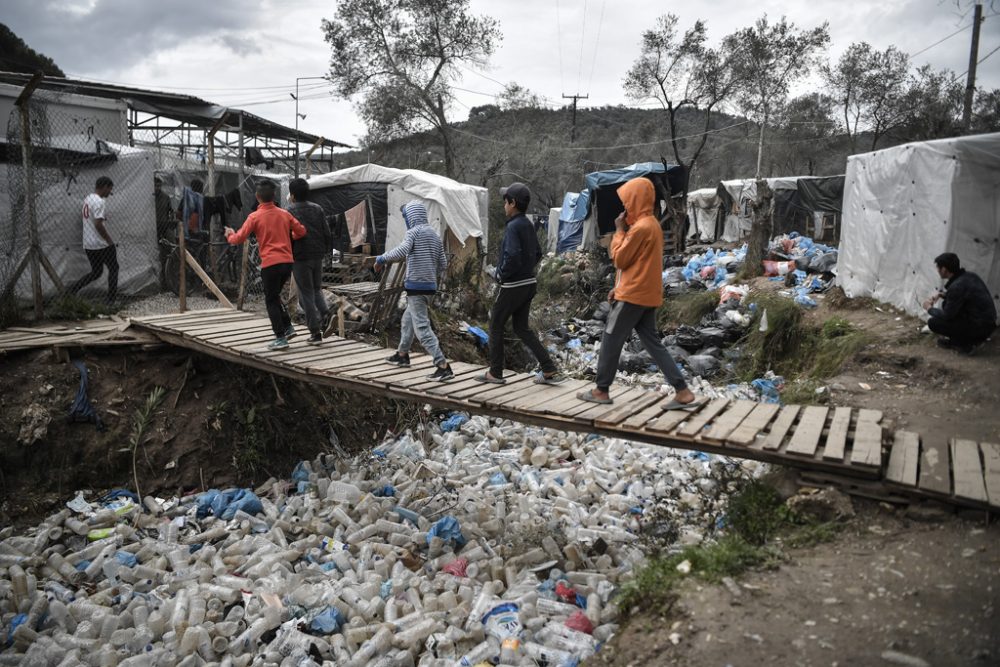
519,192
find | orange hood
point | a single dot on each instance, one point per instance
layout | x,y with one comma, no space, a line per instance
637,195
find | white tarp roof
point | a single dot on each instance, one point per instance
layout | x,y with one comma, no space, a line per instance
462,207
905,205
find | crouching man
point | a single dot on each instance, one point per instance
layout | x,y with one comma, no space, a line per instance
967,315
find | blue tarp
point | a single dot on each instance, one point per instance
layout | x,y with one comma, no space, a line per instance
574,211
575,206
224,504
598,179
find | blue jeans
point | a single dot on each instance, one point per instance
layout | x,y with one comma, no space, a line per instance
417,323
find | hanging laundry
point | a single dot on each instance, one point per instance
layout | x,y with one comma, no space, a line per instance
216,206
357,224
233,200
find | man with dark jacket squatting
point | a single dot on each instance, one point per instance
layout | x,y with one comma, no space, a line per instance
515,272
967,315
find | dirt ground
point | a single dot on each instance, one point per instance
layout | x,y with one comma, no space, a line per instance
218,425
890,590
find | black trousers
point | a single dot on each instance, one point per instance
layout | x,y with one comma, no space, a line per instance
274,278
514,303
98,260
962,333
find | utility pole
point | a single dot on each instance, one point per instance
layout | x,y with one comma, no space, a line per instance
970,86
572,134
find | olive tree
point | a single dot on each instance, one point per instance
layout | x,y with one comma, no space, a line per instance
401,58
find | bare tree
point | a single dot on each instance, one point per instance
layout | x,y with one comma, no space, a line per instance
870,88
401,56
680,72
772,57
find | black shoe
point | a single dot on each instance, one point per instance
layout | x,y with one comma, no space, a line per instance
442,374
399,359
315,339
290,333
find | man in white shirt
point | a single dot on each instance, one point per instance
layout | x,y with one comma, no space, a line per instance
97,243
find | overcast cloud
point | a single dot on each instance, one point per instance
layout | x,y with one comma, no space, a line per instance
248,54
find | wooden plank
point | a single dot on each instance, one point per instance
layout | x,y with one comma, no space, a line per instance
480,391
669,420
419,376
867,449
967,469
641,419
223,327
463,372
728,421
903,458
626,410
197,318
991,471
755,422
805,438
344,361
780,427
424,363
835,445
935,468
535,399
151,319
250,326
570,400
597,411
694,425
231,341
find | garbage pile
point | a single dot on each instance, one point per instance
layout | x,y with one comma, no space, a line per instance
709,270
500,542
806,267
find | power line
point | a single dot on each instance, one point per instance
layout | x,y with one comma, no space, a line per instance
597,43
562,83
943,39
579,65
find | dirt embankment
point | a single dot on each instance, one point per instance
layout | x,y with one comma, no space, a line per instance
217,425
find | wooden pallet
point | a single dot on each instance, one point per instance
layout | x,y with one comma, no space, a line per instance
88,333
840,443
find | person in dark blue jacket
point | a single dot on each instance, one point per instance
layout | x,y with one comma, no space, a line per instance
515,273
967,315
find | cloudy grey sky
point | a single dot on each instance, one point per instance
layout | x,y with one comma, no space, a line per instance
248,53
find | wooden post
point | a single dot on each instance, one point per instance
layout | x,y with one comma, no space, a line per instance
29,192
182,291
242,294
209,283
317,144
213,227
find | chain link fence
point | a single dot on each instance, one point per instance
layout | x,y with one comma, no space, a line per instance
73,246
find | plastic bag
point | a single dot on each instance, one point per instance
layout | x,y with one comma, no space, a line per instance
773,268
454,422
327,621
578,621
448,529
456,567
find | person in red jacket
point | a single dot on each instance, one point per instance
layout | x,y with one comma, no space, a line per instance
274,228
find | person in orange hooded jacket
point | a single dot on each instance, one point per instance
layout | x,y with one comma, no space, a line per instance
637,253
275,228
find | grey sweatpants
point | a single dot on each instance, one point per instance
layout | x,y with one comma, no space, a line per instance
417,323
622,320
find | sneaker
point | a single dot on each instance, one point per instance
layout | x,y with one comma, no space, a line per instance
291,333
399,359
442,374
315,339
278,344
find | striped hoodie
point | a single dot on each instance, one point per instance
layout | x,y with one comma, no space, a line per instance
421,248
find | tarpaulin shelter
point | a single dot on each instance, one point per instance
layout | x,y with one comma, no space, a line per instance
457,211
801,204
131,217
591,214
905,205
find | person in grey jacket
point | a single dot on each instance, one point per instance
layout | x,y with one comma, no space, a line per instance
309,252
424,253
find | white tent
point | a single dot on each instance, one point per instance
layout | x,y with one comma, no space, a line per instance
553,229
736,196
905,205
451,205
131,219
703,212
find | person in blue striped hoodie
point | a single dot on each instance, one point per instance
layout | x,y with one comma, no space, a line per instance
424,253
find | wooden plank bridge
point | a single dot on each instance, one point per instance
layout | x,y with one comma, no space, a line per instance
844,443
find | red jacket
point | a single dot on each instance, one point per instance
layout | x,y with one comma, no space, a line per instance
274,228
